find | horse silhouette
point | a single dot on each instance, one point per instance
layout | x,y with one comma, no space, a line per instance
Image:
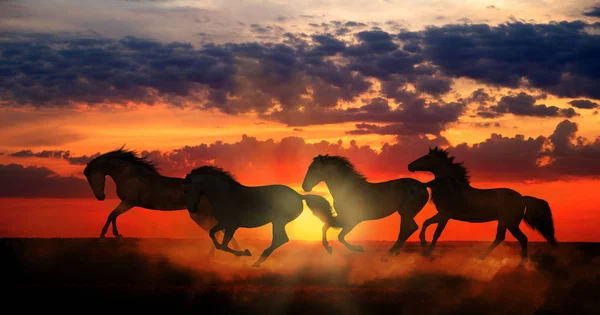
236,205
455,198
356,200
139,184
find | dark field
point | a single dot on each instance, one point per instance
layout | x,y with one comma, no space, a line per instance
83,276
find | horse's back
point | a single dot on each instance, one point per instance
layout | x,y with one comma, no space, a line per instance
483,205
252,206
155,192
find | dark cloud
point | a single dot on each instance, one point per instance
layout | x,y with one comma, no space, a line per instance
51,70
435,86
412,117
354,24
523,104
486,124
373,42
584,104
57,154
481,97
327,45
301,79
560,58
561,155
593,12
17,181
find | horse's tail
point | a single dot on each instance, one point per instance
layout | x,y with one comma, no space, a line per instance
321,208
539,217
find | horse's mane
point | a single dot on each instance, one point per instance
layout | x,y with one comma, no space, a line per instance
132,157
213,170
458,170
342,163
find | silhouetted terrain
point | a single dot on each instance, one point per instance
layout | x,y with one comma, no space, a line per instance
84,276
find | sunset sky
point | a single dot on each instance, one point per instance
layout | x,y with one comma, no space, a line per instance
511,88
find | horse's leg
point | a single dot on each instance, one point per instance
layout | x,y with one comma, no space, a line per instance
235,244
500,235
211,250
279,238
112,218
426,224
218,227
520,236
438,232
342,239
325,242
229,231
407,227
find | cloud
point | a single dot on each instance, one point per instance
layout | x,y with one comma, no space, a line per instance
17,181
584,104
57,154
561,58
415,116
481,97
305,79
593,12
559,156
523,104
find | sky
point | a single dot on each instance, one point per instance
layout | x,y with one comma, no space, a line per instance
259,88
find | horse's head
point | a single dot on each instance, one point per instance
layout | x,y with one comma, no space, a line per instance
427,163
96,178
193,193
316,173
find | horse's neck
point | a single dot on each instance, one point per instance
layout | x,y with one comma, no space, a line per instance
442,173
441,186
118,171
340,187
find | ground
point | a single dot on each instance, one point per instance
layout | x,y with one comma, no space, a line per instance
83,275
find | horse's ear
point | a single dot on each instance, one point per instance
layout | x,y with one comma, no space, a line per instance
436,149
430,150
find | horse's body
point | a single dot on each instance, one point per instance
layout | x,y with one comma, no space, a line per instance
139,184
456,199
356,200
236,205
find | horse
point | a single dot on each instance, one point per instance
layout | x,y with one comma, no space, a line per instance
455,198
236,205
356,200
139,184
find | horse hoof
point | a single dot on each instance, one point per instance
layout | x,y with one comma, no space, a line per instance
522,263
384,258
102,239
394,251
256,264
329,250
427,253
423,243
119,237
482,257
247,253
359,249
